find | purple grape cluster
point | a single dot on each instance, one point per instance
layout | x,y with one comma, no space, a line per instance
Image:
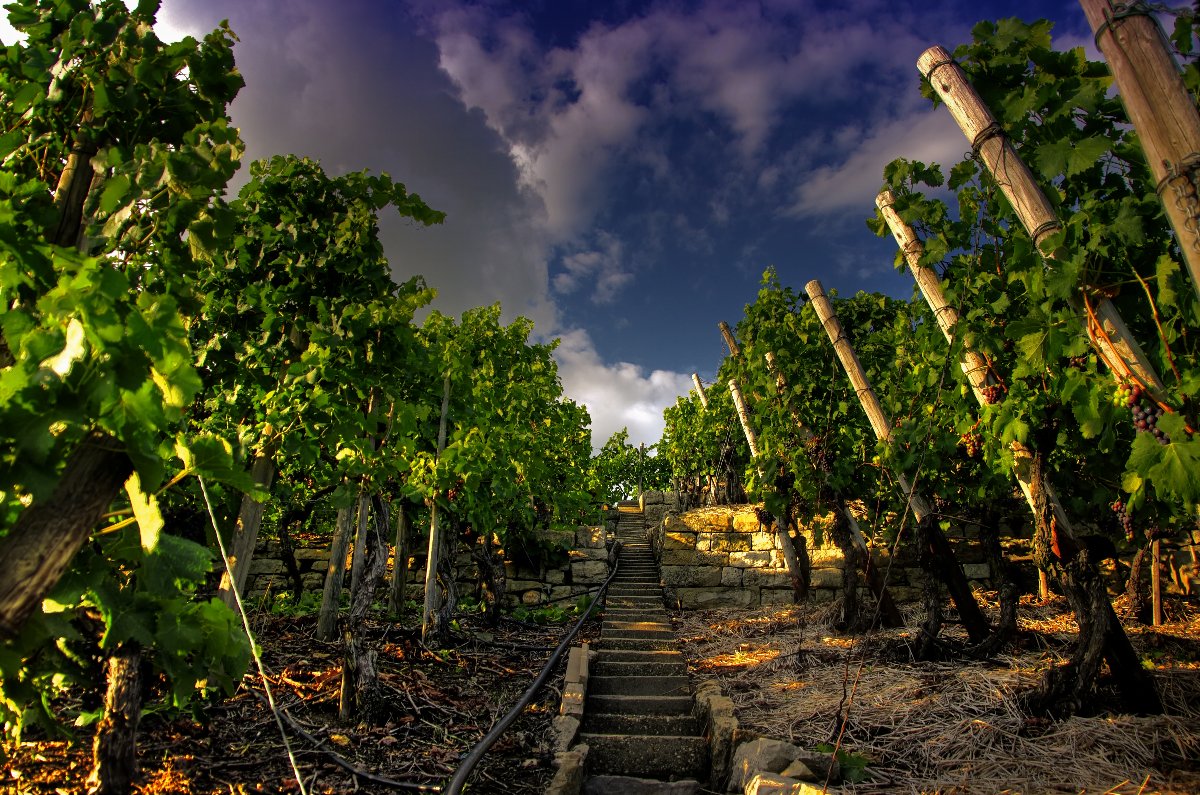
1146,420
992,393
1122,512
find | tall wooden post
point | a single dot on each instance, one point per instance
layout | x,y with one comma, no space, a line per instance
744,416
1161,109
700,390
939,546
1106,329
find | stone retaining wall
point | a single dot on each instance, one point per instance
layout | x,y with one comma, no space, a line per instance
723,557
585,568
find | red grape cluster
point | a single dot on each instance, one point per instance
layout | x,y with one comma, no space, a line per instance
1122,512
992,394
1144,419
973,442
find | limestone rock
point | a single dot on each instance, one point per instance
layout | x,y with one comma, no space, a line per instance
693,576
758,756
706,598
773,784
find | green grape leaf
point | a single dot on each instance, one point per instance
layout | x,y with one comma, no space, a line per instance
145,510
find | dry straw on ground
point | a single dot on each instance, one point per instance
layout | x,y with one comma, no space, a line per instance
948,727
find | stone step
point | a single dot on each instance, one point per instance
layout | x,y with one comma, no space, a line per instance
636,644
639,705
662,725
639,685
635,603
629,668
646,755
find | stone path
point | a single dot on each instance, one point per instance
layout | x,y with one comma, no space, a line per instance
638,721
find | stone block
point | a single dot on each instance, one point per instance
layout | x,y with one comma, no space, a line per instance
776,596
712,558
746,522
776,784
729,542
652,498
678,557
707,598
267,566
828,555
311,554
693,576
731,577
572,700
747,559
313,581
565,729
764,540
977,571
822,596
676,539
588,571
721,732
560,592
590,537
531,597
826,578
524,585
556,576
763,755
709,520
767,578
588,553
568,773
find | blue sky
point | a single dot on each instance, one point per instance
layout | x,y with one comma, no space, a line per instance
623,172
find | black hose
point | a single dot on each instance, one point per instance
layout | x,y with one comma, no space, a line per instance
472,759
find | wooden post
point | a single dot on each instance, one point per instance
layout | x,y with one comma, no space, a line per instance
432,597
1156,607
744,416
1161,109
335,575
249,522
939,546
398,590
700,390
730,340
880,422
1106,329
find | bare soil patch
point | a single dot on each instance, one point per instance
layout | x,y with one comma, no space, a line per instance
438,707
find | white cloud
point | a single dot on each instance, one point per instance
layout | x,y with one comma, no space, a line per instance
620,395
599,266
929,136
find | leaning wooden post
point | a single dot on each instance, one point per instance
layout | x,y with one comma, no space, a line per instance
1106,329
939,546
1161,109
974,365
739,403
700,390
433,559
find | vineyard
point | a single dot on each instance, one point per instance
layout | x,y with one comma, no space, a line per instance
186,376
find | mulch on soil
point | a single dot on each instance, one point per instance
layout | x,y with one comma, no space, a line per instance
439,705
957,726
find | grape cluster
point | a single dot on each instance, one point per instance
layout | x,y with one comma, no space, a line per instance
973,443
1122,512
992,393
1145,420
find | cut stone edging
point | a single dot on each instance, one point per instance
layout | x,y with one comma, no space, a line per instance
744,762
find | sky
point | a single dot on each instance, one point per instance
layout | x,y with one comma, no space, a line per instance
620,172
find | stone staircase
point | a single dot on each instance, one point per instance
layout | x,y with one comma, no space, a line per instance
638,721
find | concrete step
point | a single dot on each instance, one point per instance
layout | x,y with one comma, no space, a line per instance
633,655
628,668
635,590
637,634
646,755
634,603
661,625
639,705
631,785
662,725
639,685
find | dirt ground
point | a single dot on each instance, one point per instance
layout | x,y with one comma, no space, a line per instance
438,706
954,726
